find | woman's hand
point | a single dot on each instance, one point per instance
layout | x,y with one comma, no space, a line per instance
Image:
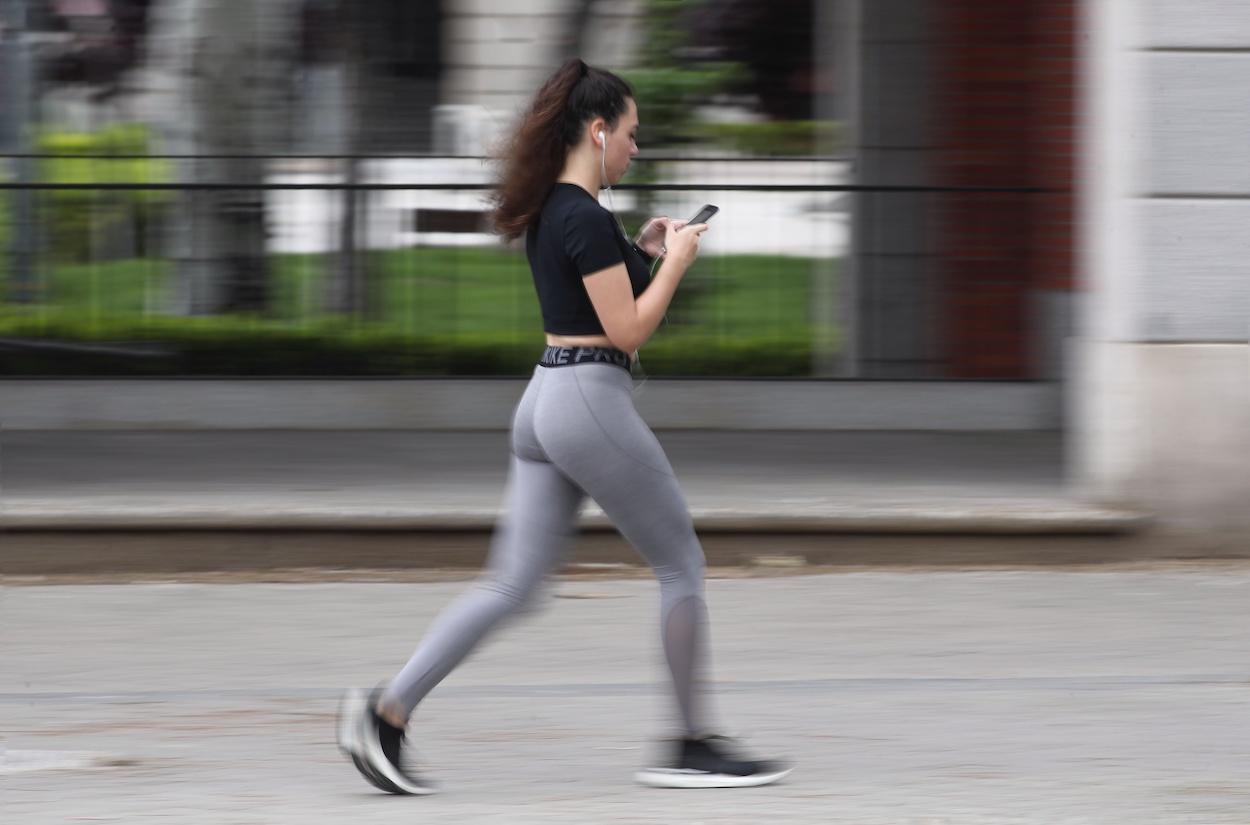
682,241
651,238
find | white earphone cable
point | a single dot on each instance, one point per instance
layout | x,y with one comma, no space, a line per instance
603,171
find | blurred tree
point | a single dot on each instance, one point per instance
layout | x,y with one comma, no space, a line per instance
103,39
575,39
389,53
345,284
227,64
90,226
672,77
85,43
774,40
241,97
399,65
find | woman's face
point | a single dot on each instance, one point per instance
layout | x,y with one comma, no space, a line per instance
622,143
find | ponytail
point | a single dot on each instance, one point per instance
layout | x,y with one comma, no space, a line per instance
534,157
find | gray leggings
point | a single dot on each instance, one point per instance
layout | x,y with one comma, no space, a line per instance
575,433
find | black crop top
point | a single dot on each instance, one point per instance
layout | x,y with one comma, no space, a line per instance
574,237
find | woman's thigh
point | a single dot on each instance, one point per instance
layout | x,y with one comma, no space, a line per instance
588,426
535,529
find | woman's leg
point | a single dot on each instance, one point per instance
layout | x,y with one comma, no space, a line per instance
532,536
588,426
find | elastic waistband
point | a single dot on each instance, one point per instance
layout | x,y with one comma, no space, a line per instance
570,356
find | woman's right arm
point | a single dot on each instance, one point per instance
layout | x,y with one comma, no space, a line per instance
630,322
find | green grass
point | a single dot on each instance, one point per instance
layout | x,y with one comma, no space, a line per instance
108,290
429,310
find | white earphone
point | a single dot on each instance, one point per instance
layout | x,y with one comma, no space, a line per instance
603,160
603,171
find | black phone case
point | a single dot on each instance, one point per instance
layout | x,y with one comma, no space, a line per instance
700,217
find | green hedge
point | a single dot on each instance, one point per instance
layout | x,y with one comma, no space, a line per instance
432,312
64,346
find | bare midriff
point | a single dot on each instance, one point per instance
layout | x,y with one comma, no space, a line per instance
578,340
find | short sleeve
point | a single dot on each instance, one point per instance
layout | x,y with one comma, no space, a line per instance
590,240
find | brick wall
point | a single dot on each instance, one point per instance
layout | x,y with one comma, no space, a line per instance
1006,103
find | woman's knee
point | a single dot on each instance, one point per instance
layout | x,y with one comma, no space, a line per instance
514,591
696,564
684,570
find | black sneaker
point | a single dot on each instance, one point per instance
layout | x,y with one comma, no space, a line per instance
375,746
707,763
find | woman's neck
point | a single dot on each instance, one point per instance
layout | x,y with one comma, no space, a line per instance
580,171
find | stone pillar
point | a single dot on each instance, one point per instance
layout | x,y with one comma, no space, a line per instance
1161,408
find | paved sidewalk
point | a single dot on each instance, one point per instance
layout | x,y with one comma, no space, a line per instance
822,481
1040,697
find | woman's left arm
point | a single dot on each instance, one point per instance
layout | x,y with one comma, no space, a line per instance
651,239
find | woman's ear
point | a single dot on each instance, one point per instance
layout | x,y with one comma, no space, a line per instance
598,132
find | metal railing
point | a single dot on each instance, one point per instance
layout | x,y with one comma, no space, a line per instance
366,256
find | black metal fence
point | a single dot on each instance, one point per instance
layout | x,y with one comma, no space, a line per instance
385,265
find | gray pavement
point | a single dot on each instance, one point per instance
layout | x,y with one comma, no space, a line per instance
1116,695
875,481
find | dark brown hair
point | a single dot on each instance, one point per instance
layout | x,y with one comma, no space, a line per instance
534,156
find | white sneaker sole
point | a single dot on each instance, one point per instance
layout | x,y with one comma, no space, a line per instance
351,710
351,707
677,778
370,751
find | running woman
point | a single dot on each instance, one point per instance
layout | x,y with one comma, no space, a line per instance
575,432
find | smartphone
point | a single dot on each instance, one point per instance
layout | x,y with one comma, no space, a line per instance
704,214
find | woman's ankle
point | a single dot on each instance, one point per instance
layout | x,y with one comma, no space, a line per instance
391,713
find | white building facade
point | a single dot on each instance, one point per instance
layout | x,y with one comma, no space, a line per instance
1160,406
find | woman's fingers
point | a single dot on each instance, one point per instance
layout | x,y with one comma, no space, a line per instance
655,230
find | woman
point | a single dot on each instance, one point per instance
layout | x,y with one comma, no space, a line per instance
575,431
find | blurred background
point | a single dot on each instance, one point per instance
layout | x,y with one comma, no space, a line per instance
299,186
935,214
978,296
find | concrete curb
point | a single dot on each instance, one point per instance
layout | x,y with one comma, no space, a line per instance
975,516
